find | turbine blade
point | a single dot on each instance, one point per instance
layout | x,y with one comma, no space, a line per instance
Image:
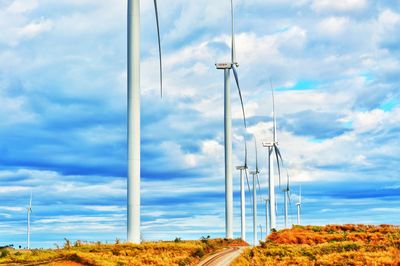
159,47
233,44
279,161
287,179
255,146
240,95
300,196
30,201
243,111
248,186
259,188
245,153
273,113
290,208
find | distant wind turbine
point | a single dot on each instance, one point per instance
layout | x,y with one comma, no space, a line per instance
286,197
298,204
273,150
29,211
227,67
255,181
133,225
243,169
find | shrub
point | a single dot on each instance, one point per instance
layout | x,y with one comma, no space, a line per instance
67,244
4,253
78,243
199,252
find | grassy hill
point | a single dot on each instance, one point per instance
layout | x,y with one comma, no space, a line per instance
301,245
155,253
327,245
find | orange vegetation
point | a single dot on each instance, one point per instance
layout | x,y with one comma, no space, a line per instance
327,245
150,253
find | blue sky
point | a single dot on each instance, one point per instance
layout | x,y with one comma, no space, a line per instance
336,65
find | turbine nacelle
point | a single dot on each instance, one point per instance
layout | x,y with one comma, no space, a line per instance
269,143
223,65
241,167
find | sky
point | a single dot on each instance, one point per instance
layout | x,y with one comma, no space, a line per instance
335,68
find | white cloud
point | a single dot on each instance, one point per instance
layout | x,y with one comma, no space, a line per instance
389,18
369,121
105,208
11,189
22,6
333,26
11,209
15,111
342,5
35,28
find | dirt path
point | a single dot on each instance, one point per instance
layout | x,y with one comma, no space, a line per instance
222,258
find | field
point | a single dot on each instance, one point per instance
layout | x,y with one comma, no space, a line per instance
327,245
155,253
301,245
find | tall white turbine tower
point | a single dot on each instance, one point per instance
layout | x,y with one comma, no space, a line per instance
243,169
255,180
298,204
133,206
227,67
242,203
254,174
29,211
273,151
267,217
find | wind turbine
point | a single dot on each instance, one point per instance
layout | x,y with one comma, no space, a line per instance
255,178
227,67
273,150
286,197
298,204
133,87
29,211
243,168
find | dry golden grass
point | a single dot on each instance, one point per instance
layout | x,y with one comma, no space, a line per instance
327,245
156,253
